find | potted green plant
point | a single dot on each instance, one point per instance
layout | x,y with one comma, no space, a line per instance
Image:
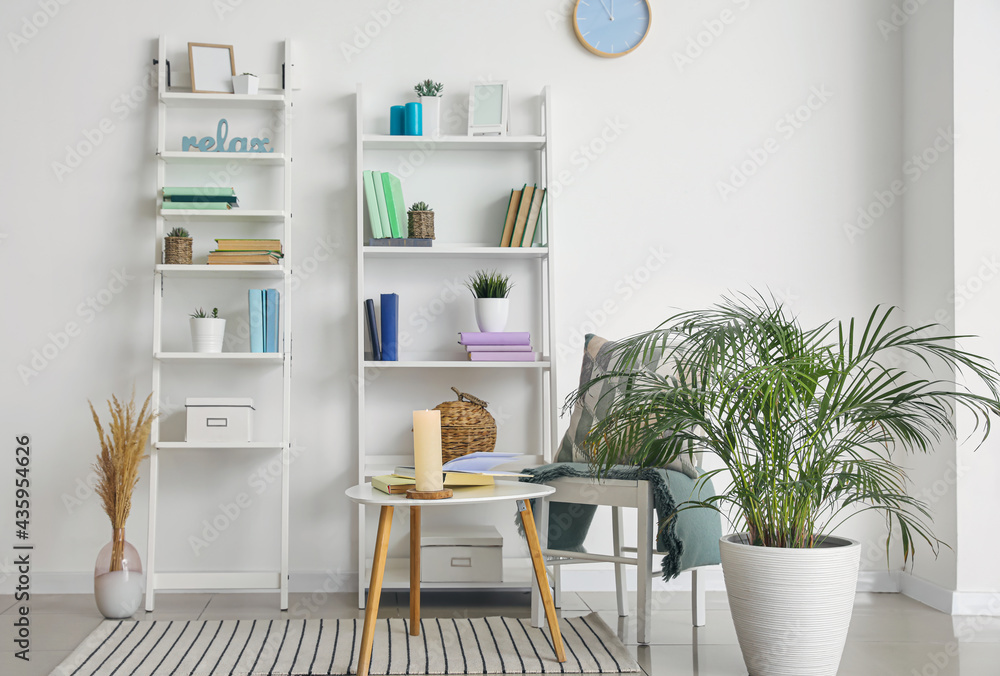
491,291
207,330
245,83
420,221
808,424
177,247
429,96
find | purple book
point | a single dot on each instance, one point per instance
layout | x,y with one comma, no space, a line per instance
498,348
495,338
503,356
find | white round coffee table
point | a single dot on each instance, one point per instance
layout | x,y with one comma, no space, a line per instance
521,493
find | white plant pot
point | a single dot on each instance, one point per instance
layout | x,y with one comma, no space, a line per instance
245,84
791,607
491,313
207,334
431,115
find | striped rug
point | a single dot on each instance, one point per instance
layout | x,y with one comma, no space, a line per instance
494,645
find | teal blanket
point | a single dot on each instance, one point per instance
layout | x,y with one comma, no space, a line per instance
690,539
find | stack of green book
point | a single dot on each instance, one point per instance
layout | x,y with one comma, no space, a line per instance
199,199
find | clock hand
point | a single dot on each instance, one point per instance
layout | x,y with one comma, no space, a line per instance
610,16
612,10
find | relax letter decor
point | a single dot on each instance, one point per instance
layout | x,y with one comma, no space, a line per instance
239,144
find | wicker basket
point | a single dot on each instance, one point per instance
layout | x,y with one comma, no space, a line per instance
177,250
466,426
421,224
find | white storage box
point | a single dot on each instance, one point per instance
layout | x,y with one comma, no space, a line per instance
223,420
461,554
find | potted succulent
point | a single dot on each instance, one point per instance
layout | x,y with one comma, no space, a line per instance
491,290
207,330
429,93
420,221
245,83
809,424
177,247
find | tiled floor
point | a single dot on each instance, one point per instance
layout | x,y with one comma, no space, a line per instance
890,634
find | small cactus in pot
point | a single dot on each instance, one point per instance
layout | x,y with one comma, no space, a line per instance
420,221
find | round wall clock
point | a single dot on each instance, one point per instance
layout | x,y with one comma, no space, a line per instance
611,28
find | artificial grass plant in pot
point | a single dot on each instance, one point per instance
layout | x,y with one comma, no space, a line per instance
490,290
809,424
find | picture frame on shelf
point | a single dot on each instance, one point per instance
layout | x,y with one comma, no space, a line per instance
212,68
489,108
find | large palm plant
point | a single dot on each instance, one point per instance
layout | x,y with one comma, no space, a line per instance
807,422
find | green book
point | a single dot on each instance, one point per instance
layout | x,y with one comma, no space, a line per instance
205,191
383,211
394,203
372,202
197,206
400,204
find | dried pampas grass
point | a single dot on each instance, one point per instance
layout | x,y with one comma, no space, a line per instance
117,464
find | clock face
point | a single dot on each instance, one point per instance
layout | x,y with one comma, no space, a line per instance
611,27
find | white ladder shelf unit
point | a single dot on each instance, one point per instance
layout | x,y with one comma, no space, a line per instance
280,104
383,148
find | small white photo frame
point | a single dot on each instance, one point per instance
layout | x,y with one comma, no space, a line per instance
489,109
212,68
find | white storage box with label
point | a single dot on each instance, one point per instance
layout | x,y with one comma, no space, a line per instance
219,420
461,554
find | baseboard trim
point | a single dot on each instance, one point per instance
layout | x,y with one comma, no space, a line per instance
976,603
928,593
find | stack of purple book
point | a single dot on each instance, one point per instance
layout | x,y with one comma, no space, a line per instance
498,346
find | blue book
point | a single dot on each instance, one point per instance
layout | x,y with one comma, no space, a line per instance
390,326
255,299
372,330
271,320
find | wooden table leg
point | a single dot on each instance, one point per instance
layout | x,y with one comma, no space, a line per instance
375,589
541,579
414,571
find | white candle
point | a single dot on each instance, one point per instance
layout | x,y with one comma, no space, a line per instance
427,450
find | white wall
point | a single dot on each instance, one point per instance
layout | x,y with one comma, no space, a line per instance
675,130
928,243
977,249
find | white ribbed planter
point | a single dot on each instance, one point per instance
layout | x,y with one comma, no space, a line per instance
791,607
207,334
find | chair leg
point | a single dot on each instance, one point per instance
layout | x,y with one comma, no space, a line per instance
644,555
621,588
697,598
557,586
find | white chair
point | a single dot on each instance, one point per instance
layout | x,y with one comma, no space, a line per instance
617,494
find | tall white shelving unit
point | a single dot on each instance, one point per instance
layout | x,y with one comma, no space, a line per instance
278,104
375,149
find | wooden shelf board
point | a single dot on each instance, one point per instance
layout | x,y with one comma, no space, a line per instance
455,251
272,215
209,271
382,142
180,157
195,100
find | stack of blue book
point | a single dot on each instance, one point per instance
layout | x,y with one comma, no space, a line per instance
264,319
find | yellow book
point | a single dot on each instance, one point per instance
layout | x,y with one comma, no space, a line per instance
392,484
451,479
